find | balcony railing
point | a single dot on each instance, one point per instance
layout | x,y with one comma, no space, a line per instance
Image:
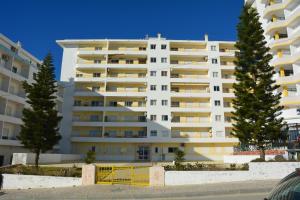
140,134
125,119
190,134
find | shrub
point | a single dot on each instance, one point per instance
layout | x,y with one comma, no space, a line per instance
42,171
232,166
179,158
258,160
279,158
90,157
245,166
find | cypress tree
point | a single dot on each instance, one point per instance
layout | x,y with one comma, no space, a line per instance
256,107
39,132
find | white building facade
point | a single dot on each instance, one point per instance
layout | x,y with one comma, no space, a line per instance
16,66
281,23
136,100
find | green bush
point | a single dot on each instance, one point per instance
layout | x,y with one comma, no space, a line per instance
90,157
279,158
179,158
206,167
232,166
258,160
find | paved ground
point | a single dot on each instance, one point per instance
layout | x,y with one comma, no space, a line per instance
249,190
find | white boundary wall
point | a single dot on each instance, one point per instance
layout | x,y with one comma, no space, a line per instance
257,171
45,158
240,159
14,181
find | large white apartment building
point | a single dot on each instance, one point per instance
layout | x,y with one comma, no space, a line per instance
16,66
141,99
281,23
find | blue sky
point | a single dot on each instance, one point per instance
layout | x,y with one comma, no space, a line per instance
38,23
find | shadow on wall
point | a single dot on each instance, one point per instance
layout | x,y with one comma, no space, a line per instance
118,116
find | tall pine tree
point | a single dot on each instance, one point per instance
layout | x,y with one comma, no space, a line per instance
39,132
256,116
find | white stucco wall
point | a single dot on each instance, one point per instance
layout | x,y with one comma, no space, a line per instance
257,171
29,158
14,181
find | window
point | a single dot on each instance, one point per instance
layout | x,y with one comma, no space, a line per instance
164,60
164,73
94,118
93,149
153,133
113,103
164,102
96,74
214,61
97,61
156,150
152,73
78,75
153,60
152,46
215,74
142,134
164,118
98,48
95,88
128,103
34,75
128,133
153,102
172,149
153,117
153,87
77,103
164,87
216,88
129,61
217,103
95,103
163,46
14,69
213,48
217,118
94,133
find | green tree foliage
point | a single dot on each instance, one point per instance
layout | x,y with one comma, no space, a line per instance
179,159
256,116
90,157
39,132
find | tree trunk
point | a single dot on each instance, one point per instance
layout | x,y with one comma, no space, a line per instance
263,154
37,157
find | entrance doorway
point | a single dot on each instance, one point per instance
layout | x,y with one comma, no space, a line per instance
143,153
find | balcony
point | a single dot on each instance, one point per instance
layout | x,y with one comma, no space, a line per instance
286,60
177,106
126,77
227,49
125,134
188,48
275,6
190,134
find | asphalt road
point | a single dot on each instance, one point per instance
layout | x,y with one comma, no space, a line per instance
247,190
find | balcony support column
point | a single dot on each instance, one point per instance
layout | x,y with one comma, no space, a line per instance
282,74
285,92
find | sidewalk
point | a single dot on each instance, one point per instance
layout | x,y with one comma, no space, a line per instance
131,192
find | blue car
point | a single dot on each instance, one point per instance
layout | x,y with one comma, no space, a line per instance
288,188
